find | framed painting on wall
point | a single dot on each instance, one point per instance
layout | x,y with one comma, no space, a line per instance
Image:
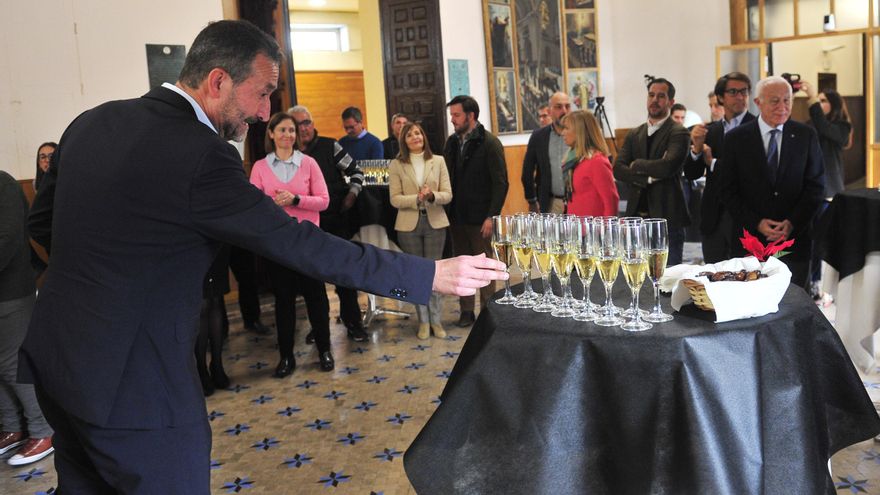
535,48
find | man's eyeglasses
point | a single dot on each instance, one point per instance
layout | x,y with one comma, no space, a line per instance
734,92
304,123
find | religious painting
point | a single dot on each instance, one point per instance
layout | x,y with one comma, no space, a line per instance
532,45
505,101
539,49
583,87
580,39
500,32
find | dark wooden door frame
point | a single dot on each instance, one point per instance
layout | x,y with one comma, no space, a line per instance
413,60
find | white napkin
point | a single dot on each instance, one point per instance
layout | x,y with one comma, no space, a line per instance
735,300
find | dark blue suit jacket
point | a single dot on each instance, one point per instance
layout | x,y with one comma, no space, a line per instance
142,193
749,194
536,173
710,206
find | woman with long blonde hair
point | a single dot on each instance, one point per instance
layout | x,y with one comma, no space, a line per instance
589,178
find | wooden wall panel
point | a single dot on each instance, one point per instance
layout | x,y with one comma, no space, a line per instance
516,199
327,94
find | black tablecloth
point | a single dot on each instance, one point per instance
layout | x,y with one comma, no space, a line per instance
537,404
373,207
851,229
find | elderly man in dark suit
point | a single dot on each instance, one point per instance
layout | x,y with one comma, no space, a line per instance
650,163
143,192
542,180
772,180
707,148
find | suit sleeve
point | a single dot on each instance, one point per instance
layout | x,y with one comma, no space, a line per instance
622,170
443,195
10,222
694,169
669,165
225,207
530,164
813,188
729,184
498,176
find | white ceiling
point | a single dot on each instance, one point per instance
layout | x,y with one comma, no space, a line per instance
329,5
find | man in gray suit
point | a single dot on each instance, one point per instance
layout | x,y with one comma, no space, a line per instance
650,163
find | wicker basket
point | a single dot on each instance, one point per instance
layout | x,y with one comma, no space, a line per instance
698,294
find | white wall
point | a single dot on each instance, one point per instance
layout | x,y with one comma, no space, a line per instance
675,39
61,57
805,57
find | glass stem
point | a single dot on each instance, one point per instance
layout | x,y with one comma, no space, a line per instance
545,279
587,296
507,292
566,291
657,297
637,318
608,310
527,282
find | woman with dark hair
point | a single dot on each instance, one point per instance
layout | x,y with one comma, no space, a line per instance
296,183
44,155
829,116
418,183
589,178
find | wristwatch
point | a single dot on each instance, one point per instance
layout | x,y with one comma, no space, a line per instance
295,200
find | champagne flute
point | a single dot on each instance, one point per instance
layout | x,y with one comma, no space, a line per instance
563,251
635,268
522,252
657,248
502,231
586,266
541,255
606,238
630,311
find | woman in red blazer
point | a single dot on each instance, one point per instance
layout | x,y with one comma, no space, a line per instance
589,177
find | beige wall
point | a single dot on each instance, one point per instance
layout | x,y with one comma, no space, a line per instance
61,57
806,57
351,60
374,70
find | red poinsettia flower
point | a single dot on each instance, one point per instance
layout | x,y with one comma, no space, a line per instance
751,244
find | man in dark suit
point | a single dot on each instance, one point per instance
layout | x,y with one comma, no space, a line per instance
139,195
542,179
707,148
650,163
772,179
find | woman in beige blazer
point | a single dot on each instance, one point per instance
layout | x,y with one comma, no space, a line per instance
419,185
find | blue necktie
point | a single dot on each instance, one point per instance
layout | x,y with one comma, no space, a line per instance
773,154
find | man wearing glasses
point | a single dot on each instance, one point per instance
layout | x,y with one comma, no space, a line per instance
707,141
335,164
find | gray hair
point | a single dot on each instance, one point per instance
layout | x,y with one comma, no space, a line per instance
771,81
299,109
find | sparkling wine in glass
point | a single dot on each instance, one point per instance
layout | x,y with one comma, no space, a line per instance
635,269
522,253
657,247
502,233
563,244
585,265
606,239
541,256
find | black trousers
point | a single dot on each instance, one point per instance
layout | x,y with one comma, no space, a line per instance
243,265
92,460
718,245
287,284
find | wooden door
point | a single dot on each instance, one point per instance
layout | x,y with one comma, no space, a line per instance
414,82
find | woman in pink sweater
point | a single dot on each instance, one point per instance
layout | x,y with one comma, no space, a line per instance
295,182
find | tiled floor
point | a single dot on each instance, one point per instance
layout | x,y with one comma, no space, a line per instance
345,432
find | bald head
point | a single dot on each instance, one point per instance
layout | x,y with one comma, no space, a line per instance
560,105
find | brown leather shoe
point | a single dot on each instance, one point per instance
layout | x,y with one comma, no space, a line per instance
10,440
34,450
